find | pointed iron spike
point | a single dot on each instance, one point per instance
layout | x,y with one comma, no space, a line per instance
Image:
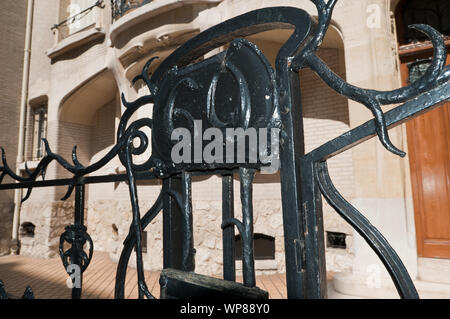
149,62
3,294
125,103
3,155
75,158
5,164
44,170
317,3
146,75
74,153
136,78
439,47
435,37
27,195
68,193
47,147
28,294
381,129
27,169
385,140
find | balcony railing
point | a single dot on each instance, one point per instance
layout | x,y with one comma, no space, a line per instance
121,7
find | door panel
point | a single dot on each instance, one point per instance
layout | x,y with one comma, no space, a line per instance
429,156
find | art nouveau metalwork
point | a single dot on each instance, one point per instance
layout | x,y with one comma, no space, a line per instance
239,88
28,294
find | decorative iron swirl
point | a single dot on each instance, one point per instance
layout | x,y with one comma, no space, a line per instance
373,237
76,235
372,99
124,131
130,242
135,224
172,110
242,112
245,105
76,168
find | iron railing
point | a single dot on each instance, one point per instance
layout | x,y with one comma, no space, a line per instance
121,7
78,15
261,97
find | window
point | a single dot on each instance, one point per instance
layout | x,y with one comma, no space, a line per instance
336,240
83,20
264,247
27,230
39,117
435,13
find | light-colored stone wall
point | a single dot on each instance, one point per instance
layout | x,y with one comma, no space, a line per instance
12,25
45,16
103,133
102,215
6,218
39,81
326,117
50,219
381,178
12,22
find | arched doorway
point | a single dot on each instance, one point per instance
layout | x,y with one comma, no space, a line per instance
87,119
429,134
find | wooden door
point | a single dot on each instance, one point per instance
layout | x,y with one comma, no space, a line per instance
429,155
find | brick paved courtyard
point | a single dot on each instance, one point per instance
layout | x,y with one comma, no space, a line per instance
48,278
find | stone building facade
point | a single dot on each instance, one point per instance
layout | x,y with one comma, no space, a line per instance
79,69
12,21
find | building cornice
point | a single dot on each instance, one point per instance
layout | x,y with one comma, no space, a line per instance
74,41
148,11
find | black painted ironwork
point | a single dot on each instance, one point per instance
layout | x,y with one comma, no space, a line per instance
238,88
177,284
76,235
121,7
28,294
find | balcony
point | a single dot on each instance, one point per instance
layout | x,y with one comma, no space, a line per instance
145,28
81,27
121,7
143,15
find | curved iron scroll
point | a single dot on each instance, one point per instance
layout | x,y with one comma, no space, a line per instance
372,236
372,99
77,237
269,100
128,245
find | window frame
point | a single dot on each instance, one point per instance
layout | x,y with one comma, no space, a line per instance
39,116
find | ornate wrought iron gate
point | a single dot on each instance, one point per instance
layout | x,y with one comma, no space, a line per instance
184,90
